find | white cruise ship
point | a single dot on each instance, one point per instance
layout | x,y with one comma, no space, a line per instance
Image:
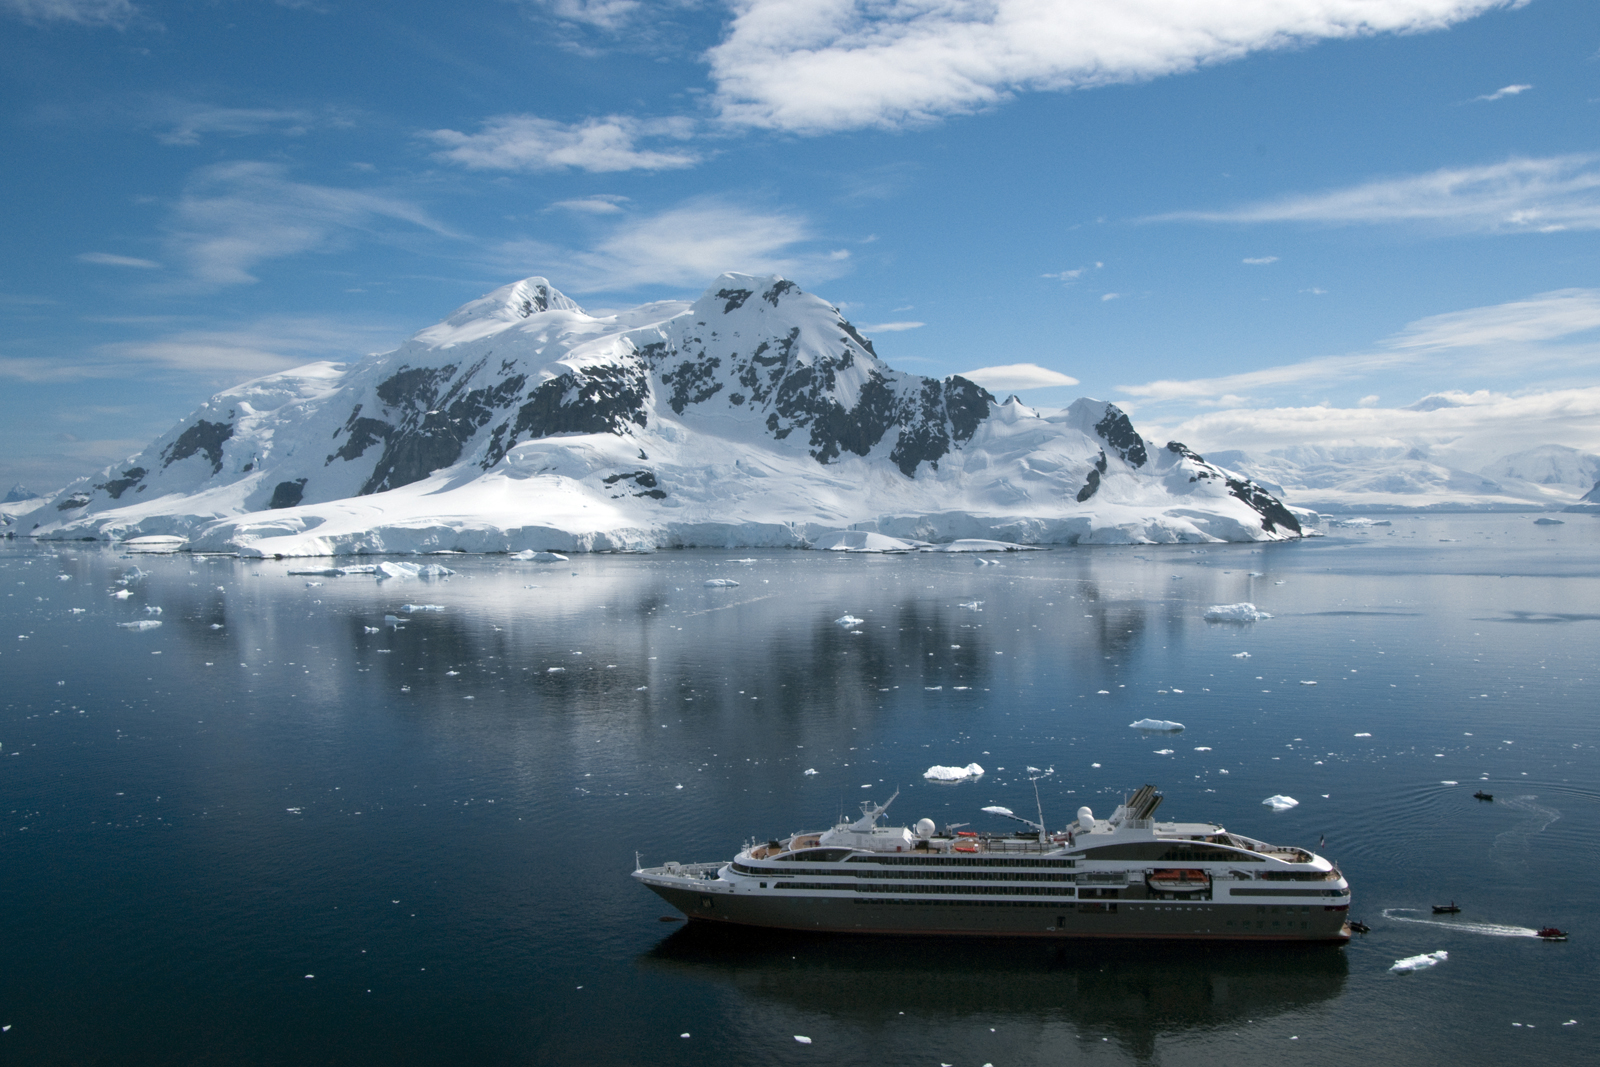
1127,876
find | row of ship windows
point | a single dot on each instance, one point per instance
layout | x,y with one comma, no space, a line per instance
962,861
994,876
1020,890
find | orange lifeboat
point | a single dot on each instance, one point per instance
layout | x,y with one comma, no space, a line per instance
1179,880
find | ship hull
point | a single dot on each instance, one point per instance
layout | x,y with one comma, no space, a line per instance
1130,919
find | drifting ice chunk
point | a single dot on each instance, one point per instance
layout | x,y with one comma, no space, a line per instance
414,608
142,624
539,557
393,620
802,1040
953,774
974,544
1417,963
152,611
979,561
372,629
1166,725
1245,612
1281,802
411,570
864,541
810,771
122,594
848,620
721,583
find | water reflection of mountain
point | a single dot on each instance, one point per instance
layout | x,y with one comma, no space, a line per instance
1134,994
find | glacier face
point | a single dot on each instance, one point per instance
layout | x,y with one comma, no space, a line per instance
756,415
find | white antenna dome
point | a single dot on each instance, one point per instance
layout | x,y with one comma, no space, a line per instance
1086,817
925,828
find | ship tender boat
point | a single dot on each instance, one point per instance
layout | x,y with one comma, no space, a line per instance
1127,876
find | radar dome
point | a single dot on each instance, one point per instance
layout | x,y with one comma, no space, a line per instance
1086,817
925,827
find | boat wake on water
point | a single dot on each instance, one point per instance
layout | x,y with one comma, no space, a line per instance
1491,929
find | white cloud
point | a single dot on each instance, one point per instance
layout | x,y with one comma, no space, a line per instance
893,327
1110,296
239,351
184,122
108,259
683,246
530,143
1260,261
233,216
1501,338
1501,94
816,65
1517,196
84,12
599,204
602,14
1017,376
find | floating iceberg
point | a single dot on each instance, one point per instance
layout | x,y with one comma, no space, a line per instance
142,624
539,557
848,620
1157,724
865,541
411,570
1417,963
976,544
1281,802
1245,612
414,608
721,583
810,771
953,774
337,572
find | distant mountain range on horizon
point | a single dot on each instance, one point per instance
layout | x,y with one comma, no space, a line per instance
754,416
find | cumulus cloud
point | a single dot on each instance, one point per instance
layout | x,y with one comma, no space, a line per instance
1516,335
1518,196
687,245
84,12
108,259
530,143
1015,376
817,65
602,14
1501,94
233,216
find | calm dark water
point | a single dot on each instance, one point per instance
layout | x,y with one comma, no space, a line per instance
437,821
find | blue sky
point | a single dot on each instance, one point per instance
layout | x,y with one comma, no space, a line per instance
1255,223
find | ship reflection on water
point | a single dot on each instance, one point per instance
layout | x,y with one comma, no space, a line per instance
1132,993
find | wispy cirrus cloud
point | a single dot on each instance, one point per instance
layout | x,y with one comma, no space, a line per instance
187,122
1520,334
115,13
234,216
893,327
1501,94
598,204
1544,195
1017,376
109,259
533,144
1260,261
819,65
686,245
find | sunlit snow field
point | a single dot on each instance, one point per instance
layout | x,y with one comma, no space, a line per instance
277,830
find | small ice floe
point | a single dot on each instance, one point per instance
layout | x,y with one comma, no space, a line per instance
414,608
721,583
77,611
1546,521
978,544
393,620
122,594
389,569
142,624
1164,725
937,773
809,771
1449,783
972,605
451,674
1202,748
371,629
216,626
1363,735
152,611
1257,574
865,541
1418,963
1241,655
1241,612
981,562
1304,682
63,577
539,557
1102,692
1281,802
802,1040
848,620
313,585
1359,522
1163,751
555,670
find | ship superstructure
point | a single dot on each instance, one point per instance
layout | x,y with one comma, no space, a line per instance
1125,876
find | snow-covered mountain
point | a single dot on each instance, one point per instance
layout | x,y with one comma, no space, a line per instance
1344,478
755,416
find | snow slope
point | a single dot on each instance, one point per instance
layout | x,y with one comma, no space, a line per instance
1344,478
755,416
